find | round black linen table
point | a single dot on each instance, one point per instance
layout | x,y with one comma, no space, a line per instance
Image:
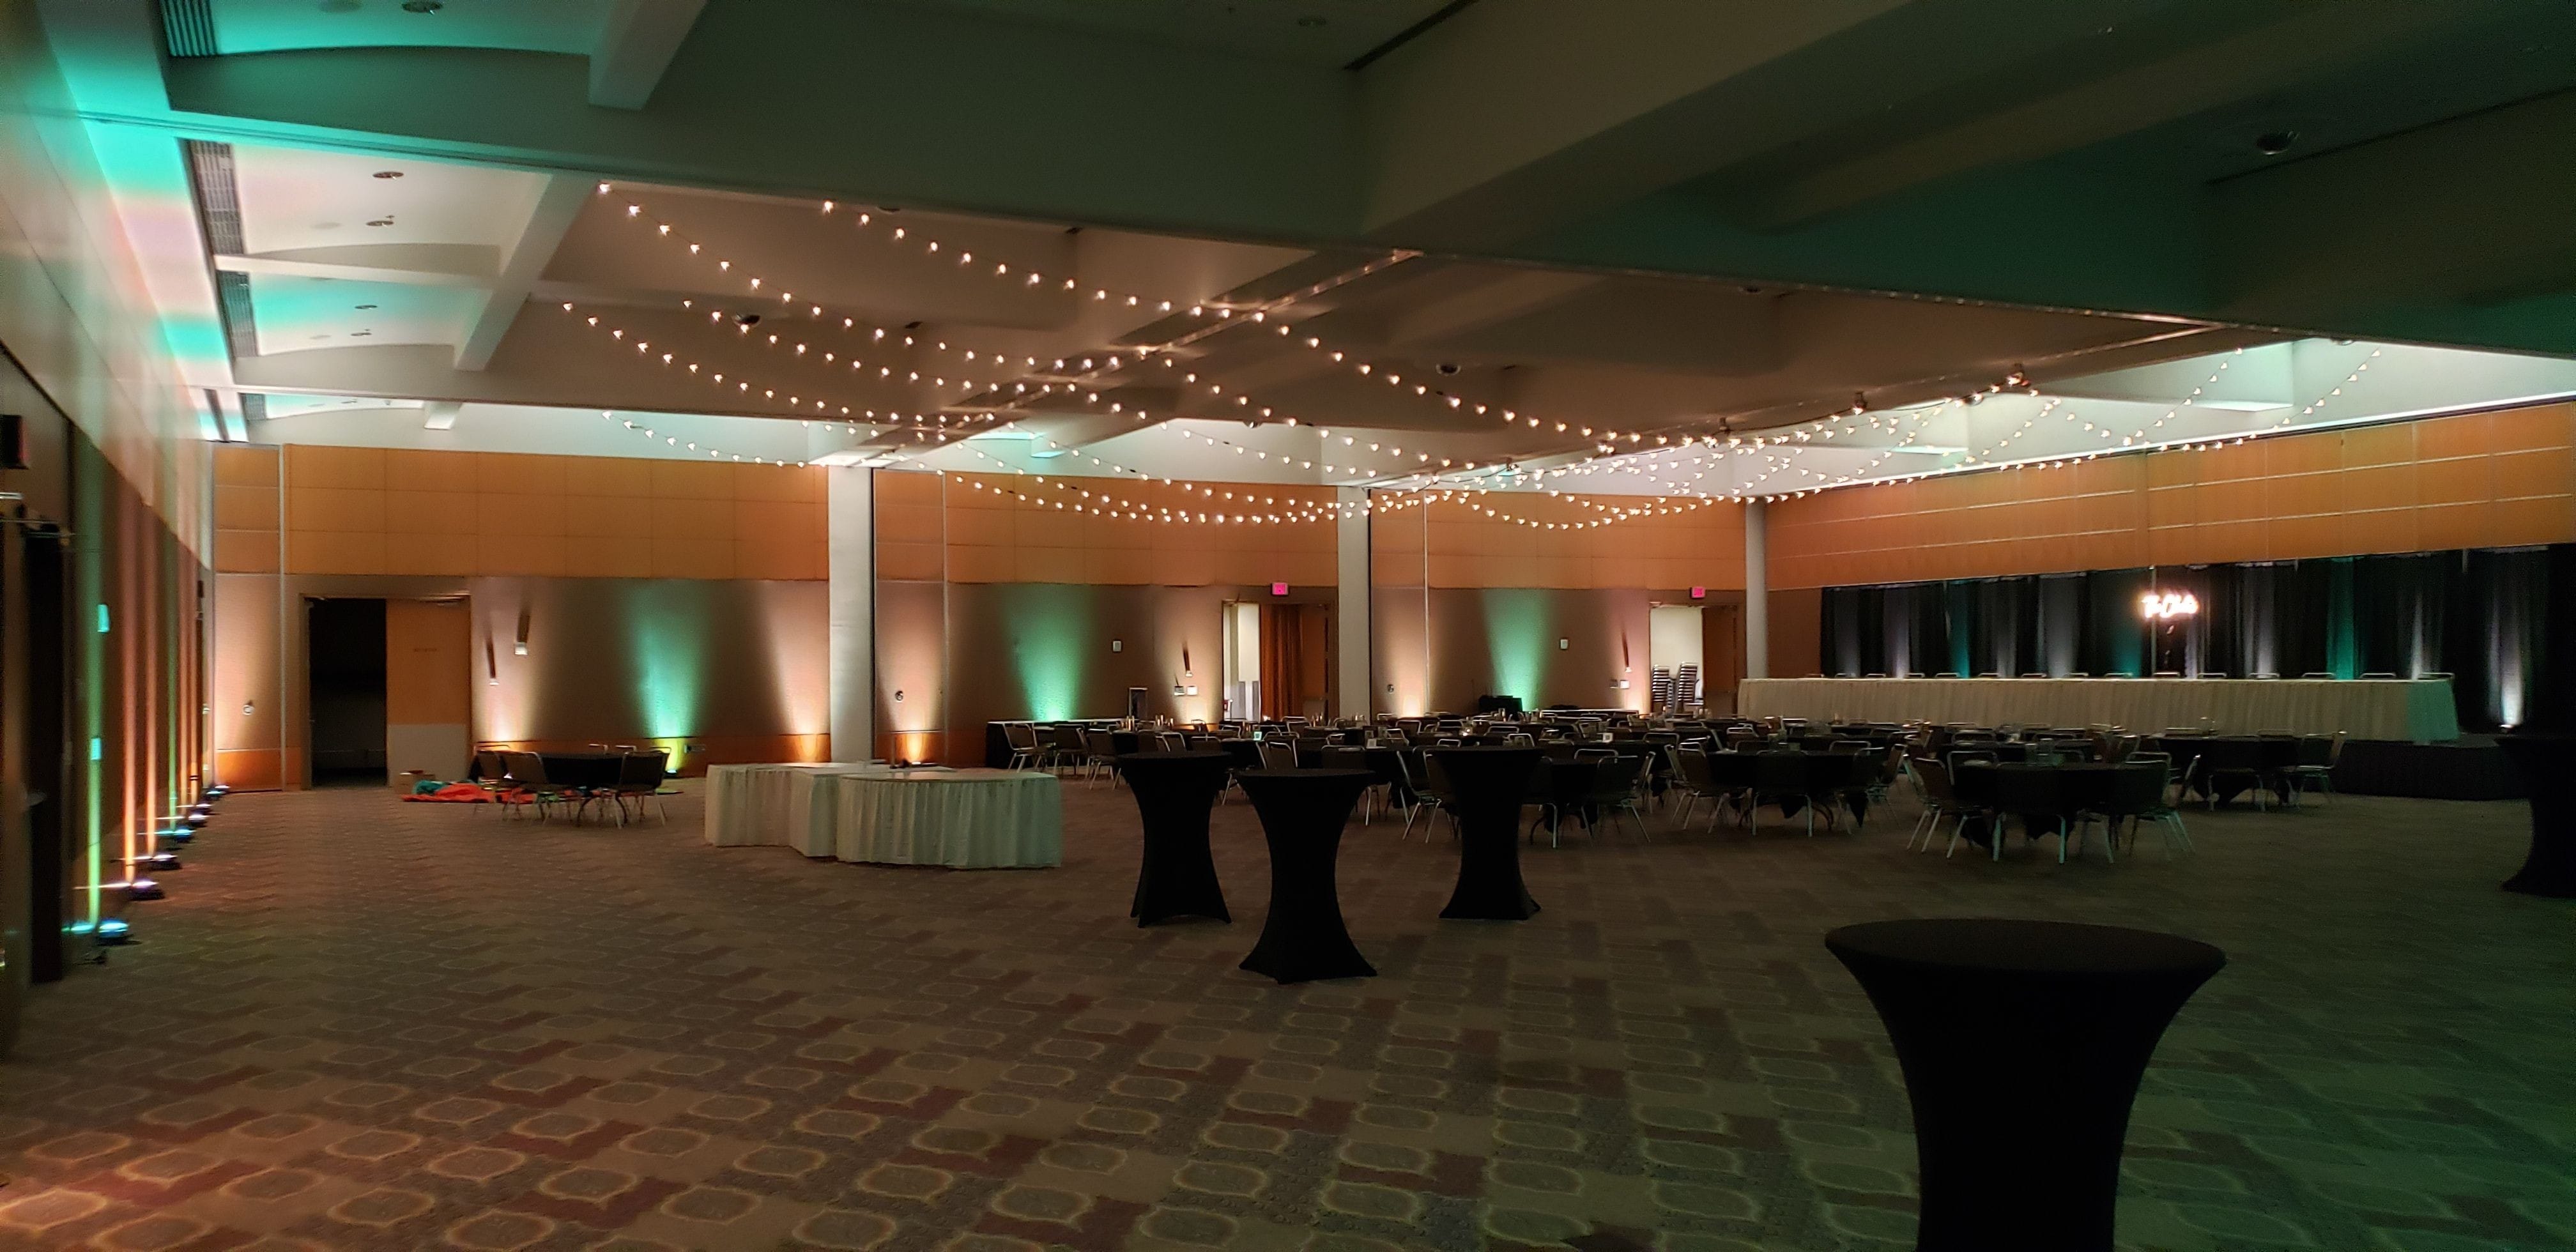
2021,1156
1302,813
1486,786
2541,761
1174,791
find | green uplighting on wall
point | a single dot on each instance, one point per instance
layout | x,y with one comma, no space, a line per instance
102,619
1047,653
668,670
1516,636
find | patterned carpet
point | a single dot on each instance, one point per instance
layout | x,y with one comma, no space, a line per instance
363,1024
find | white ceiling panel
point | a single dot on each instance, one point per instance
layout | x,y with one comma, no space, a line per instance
568,26
295,314
295,199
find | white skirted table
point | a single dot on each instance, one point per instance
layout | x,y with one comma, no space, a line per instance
2419,710
785,803
961,819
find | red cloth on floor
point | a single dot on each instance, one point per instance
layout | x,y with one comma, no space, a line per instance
455,793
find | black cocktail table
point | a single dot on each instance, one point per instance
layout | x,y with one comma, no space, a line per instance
1174,791
1486,786
2022,1044
2541,762
1302,814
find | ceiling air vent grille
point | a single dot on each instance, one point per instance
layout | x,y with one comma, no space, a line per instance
189,27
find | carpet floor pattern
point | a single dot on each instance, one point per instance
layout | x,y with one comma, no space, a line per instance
368,1025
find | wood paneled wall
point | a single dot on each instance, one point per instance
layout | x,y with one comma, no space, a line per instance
1460,545
2477,480
993,528
393,511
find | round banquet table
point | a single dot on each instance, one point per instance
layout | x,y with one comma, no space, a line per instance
581,769
1486,786
1302,813
1174,791
2024,1158
2541,761
789,803
962,819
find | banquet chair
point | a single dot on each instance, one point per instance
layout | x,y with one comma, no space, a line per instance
1437,796
2138,794
1099,756
1023,739
1277,755
1940,800
1615,786
2318,755
1064,747
528,771
2031,793
1698,782
639,779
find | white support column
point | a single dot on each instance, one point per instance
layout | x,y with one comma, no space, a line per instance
851,553
1354,694
1757,591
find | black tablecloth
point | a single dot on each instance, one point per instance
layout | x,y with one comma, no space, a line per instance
1486,786
581,769
1302,814
1174,791
2022,1045
2235,760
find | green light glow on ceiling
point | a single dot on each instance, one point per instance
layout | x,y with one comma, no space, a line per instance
1048,650
1516,636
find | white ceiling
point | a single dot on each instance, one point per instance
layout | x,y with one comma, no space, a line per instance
300,198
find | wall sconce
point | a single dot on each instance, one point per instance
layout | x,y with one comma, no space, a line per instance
519,647
1191,691
1563,644
246,708
1621,684
1117,645
898,695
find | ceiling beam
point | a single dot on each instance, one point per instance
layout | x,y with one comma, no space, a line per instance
2291,42
2407,223
1519,116
636,45
548,219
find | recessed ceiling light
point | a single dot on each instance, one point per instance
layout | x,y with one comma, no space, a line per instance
382,221
2275,142
364,307
423,6
389,173
360,334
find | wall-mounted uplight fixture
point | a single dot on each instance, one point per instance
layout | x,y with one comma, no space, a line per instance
1117,645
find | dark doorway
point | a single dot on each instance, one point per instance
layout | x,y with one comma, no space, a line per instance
345,649
50,855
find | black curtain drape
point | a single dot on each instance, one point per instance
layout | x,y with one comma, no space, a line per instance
2115,635
2482,617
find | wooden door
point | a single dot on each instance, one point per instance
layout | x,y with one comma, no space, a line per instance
428,696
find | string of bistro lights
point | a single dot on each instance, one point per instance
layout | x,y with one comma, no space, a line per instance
1606,439
1030,278
1020,390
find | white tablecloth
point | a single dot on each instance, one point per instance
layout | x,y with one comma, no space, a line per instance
2368,708
962,819
756,804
